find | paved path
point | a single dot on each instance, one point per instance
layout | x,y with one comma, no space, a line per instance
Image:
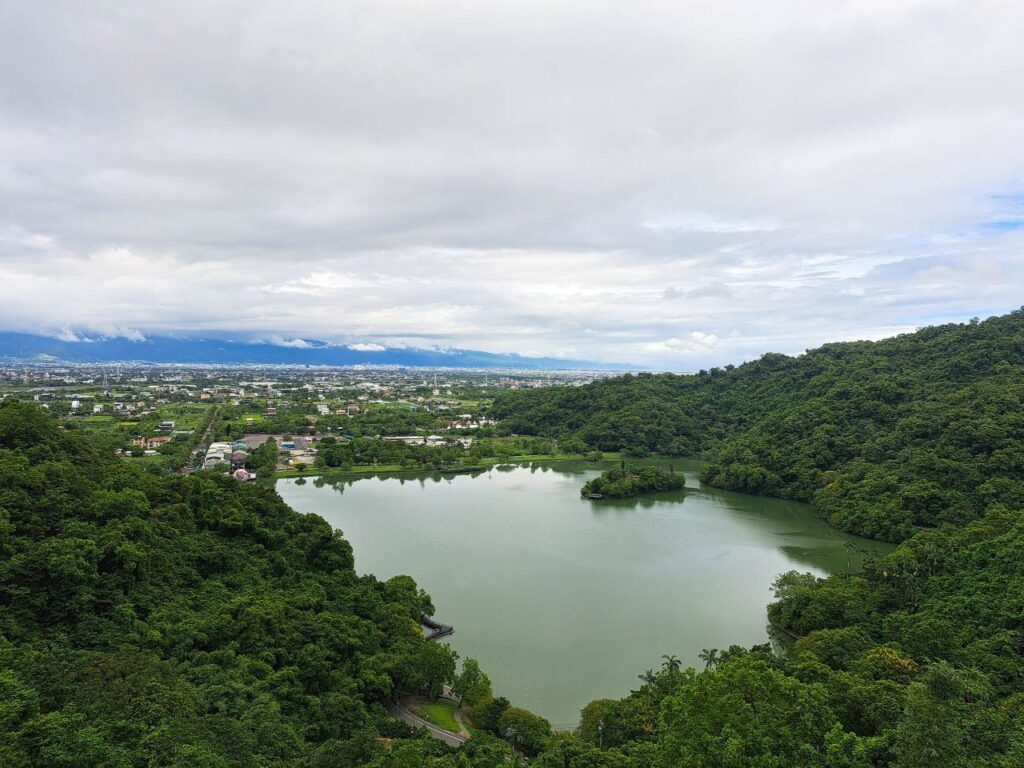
448,693
199,452
463,730
402,713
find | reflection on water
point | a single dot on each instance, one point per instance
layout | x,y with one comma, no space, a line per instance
562,599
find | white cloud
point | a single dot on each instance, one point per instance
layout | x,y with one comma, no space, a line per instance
120,332
367,347
696,341
698,221
324,283
338,174
280,341
66,334
105,331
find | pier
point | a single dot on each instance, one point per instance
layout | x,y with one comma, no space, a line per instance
436,629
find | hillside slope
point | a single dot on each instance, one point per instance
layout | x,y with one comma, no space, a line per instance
184,621
881,437
155,620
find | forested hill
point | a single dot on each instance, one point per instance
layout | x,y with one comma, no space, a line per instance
185,621
882,437
195,622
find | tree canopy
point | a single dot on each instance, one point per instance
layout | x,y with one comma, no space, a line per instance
156,619
619,482
881,437
170,620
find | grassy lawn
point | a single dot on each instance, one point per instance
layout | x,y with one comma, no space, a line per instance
543,457
440,713
186,415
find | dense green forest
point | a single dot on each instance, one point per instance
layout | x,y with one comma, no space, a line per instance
150,619
160,620
881,437
918,661
620,482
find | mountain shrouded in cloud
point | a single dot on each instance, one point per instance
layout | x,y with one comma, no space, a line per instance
74,348
673,185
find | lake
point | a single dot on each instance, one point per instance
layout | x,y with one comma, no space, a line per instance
565,600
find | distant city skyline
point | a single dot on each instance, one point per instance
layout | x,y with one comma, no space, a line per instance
673,187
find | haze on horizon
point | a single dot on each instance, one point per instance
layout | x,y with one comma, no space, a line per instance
669,185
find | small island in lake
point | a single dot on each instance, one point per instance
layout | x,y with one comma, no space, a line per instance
620,482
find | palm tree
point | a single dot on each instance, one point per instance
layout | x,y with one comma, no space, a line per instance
648,677
709,657
671,664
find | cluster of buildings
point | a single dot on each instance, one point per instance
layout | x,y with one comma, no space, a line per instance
301,399
291,452
150,443
133,392
469,421
434,440
235,455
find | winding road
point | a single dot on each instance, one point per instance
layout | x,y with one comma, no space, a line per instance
399,712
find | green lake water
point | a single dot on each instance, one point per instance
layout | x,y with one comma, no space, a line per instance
564,600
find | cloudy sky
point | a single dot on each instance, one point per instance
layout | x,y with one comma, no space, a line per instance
675,184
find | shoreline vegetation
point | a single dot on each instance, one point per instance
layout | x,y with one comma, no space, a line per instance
622,482
457,469
883,439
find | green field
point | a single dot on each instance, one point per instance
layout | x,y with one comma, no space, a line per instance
440,713
185,415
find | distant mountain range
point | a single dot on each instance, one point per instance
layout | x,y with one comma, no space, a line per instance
24,347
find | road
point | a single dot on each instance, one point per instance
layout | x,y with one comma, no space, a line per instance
204,440
401,713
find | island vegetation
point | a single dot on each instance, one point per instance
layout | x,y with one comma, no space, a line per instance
918,660
620,482
882,438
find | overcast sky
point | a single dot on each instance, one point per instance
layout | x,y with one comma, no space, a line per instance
675,184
